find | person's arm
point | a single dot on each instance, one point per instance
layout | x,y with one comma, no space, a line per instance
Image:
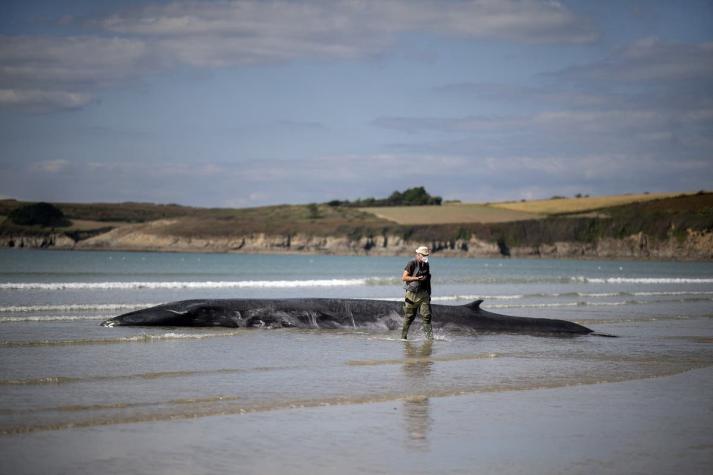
406,277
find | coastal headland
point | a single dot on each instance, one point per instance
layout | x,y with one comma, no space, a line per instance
647,226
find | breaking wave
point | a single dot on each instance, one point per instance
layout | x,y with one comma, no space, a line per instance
355,282
277,284
697,296
50,318
583,303
643,280
75,307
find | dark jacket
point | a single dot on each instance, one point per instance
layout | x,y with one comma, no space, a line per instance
416,269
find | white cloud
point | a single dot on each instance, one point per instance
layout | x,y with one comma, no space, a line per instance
214,34
77,60
648,60
33,98
65,72
50,166
582,121
310,23
217,34
253,183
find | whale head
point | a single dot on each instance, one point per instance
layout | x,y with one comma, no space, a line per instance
198,313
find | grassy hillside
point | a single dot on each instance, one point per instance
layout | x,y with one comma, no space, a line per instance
264,219
659,219
456,213
112,212
315,219
576,205
450,213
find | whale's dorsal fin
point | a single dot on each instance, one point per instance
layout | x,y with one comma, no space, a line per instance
475,305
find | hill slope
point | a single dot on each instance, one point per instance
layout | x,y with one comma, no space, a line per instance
578,205
449,214
671,228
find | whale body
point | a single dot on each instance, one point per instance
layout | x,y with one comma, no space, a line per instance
332,313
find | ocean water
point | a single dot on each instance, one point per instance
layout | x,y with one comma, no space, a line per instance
208,400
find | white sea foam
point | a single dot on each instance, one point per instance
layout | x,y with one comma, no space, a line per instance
644,280
277,284
583,303
598,294
623,294
534,305
683,292
74,307
566,304
183,285
476,297
51,318
594,295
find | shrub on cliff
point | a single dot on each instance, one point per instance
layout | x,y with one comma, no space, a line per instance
41,214
417,196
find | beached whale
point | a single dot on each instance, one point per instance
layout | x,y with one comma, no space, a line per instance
332,313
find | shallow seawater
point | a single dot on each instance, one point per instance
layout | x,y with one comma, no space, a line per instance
104,393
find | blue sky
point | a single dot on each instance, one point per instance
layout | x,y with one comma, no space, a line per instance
256,102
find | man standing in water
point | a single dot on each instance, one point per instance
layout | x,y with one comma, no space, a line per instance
417,281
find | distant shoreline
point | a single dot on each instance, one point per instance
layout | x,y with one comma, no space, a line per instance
401,253
670,228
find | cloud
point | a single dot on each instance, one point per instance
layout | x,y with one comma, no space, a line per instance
64,72
78,60
50,166
41,100
596,129
470,176
351,25
158,170
647,73
416,125
531,95
567,132
553,121
649,98
648,61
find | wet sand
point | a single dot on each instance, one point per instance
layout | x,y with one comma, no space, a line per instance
649,426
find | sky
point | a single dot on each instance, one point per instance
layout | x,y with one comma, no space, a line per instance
258,102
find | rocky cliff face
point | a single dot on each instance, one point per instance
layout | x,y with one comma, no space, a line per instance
694,245
150,237
153,237
48,241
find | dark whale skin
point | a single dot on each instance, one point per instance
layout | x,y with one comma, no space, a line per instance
332,313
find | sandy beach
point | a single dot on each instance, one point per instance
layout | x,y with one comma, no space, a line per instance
649,426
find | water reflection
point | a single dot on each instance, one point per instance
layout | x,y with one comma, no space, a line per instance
417,367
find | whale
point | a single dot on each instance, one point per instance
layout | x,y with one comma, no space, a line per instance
333,313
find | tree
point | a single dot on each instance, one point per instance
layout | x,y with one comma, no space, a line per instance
42,214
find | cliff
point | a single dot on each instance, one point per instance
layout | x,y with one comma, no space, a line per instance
694,245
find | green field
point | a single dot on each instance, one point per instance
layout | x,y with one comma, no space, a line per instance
450,213
453,213
577,205
314,219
